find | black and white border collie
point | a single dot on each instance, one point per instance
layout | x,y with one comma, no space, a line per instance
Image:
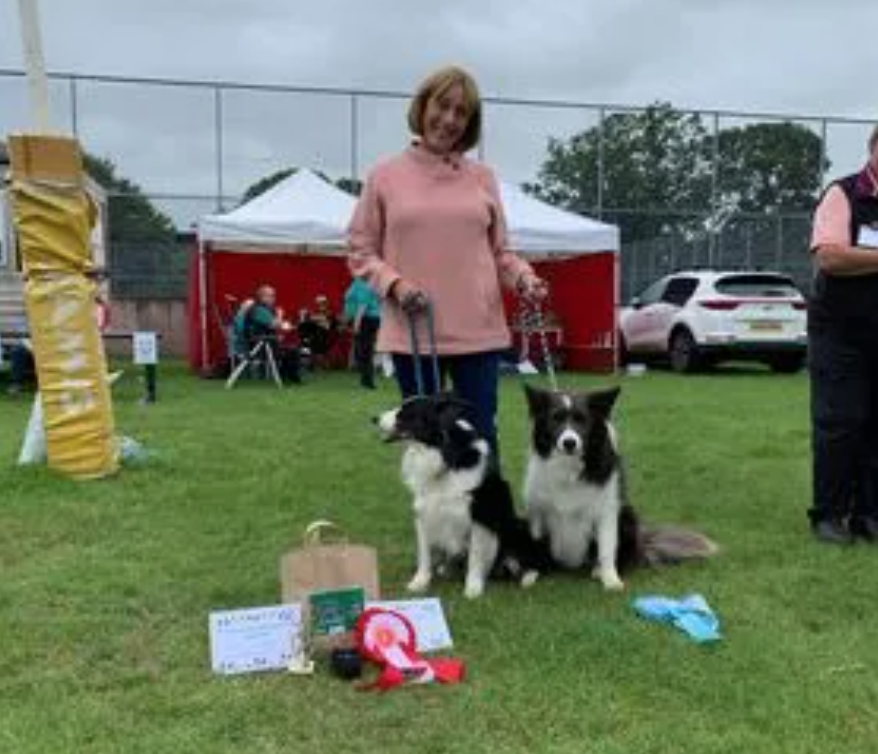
575,492
463,508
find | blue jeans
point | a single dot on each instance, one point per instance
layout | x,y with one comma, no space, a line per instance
475,380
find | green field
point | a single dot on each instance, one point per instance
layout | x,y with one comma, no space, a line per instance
105,587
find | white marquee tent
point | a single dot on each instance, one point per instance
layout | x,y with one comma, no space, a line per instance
304,219
306,210
302,209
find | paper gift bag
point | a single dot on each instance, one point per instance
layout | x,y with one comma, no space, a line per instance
325,561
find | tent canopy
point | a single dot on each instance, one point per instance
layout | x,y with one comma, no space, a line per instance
306,210
301,210
536,228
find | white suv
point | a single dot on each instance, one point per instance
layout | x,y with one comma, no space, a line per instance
699,318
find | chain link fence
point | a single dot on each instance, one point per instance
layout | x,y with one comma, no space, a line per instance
189,148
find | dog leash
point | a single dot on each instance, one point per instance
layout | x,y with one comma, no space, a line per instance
412,316
533,322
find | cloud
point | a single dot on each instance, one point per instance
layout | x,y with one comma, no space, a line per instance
785,56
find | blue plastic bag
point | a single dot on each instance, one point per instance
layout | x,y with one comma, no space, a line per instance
690,614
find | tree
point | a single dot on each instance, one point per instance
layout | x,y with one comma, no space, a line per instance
658,171
655,162
265,183
767,166
351,185
133,217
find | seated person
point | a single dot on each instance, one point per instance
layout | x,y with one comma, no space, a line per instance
317,329
259,319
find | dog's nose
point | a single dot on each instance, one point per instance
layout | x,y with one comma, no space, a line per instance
568,444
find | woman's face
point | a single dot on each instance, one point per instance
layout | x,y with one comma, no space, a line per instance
445,120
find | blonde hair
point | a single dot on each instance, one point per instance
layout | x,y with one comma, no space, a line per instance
437,84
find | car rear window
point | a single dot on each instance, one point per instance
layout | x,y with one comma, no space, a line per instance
766,286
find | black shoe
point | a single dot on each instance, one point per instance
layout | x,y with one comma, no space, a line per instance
865,528
832,533
367,384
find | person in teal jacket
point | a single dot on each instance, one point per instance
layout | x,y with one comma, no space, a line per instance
362,310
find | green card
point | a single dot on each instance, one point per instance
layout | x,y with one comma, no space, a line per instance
335,611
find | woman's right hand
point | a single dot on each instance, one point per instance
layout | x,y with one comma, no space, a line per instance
411,298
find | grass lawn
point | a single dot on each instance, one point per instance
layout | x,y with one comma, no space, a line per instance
105,587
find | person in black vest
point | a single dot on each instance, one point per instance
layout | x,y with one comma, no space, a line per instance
843,351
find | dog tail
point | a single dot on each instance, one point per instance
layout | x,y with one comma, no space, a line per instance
668,545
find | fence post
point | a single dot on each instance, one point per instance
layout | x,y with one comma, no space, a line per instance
714,192
355,167
779,242
218,138
74,107
600,176
823,138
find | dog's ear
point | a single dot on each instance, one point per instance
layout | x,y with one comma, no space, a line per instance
537,400
458,449
601,402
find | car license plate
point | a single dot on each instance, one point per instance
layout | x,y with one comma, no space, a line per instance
765,326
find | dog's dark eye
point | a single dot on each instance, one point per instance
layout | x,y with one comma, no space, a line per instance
559,415
579,417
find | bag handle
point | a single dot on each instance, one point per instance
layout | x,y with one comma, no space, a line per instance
315,531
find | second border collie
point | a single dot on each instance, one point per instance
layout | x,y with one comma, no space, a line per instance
576,496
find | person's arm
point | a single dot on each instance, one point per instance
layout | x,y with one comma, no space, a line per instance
830,240
366,241
262,316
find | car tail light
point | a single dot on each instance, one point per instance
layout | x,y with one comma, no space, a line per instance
800,305
720,305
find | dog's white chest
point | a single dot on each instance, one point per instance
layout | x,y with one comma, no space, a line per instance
442,499
566,508
446,523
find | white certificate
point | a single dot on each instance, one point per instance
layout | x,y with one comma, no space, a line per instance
428,618
252,640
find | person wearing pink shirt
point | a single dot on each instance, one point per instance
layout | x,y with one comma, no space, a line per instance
843,355
429,227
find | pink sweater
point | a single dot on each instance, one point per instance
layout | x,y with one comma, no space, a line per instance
438,223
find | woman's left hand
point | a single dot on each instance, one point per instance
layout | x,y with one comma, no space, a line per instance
534,288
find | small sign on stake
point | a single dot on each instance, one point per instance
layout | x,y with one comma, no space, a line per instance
146,348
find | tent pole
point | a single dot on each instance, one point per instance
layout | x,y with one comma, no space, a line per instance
617,301
202,300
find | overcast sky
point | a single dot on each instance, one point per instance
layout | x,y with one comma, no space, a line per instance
787,56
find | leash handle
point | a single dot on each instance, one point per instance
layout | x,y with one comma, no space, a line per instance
533,322
416,349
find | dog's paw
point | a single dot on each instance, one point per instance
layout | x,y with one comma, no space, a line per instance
473,590
529,579
611,582
420,583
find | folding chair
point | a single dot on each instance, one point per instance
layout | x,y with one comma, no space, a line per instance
259,356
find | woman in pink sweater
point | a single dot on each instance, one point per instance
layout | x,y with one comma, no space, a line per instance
429,226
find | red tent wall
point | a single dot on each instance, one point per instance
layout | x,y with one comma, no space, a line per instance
297,278
583,297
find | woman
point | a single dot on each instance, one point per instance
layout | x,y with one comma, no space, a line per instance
429,227
843,353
